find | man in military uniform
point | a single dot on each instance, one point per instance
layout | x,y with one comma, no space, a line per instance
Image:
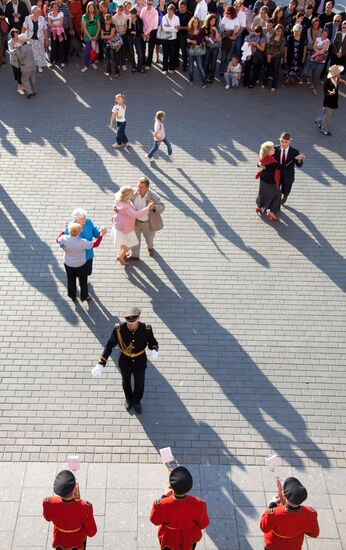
132,338
286,524
72,517
180,517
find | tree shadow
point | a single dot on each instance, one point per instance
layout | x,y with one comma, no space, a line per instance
31,256
315,247
224,359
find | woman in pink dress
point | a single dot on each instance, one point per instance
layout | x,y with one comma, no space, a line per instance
124,218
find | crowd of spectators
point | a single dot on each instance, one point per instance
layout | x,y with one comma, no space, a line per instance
258,41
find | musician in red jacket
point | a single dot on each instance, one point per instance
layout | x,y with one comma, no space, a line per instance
180,517
284,525
72,517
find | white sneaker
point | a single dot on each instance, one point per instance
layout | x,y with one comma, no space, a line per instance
147,68
84,69
94,66
170,157
107,74
21,92
164,72
124,68
62,65
40,70
227,87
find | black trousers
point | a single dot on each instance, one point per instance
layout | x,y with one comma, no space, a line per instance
57,50
17,73
136,395
252,72
72,274
169,54
148,48
286,188
182,46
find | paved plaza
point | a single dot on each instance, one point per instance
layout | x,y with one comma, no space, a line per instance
250,316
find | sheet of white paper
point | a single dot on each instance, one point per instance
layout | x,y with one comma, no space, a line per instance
166,455
273,462
96,371
73,463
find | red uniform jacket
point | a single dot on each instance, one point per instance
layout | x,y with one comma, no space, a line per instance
285,529
73,521
180,521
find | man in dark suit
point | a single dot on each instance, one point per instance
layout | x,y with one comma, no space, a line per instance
330,100
15,12
327,15
339,47
333,28
320,6
288,157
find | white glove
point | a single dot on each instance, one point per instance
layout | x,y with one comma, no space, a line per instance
154,353
96,371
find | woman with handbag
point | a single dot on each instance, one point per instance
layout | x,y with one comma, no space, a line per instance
112,43
161,9
196,49
230,26
213,42
170,25
91,31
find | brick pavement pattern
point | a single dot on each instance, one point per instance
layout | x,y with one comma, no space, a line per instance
250,316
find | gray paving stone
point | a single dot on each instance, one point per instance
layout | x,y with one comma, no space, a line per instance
29,529
119,541
122,476
31,501
121,517
222,535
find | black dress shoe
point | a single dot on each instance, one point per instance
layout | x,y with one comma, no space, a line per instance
283,199
318,124
127,404
137,407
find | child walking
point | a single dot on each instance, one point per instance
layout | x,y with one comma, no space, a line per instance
160,135
118,114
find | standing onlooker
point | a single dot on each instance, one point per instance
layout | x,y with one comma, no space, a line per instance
124,217
318,59
76,11
73,518
229,30
330,100
35,27
269,195
160,136
253,66
201,10
89,232
242,15
233,73
339,46
196,43
289,521
149,223
213,42
161,9
294,57
150,19
57,35
67,24
17,73
288,157
278,16
27,64
75,261
270,4
290,12
184,17
328,15
118,115
15,12
170,24
120,21
312,33
111,41
180,517
3,34
134,41
91,31
261,19
333,28
275,48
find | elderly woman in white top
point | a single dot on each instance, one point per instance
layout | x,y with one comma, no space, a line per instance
75,260
35,27
170,24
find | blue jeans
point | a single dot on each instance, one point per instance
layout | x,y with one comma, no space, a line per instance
121,136
199,61
157,145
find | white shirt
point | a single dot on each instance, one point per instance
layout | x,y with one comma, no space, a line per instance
242,19
201,10
229,24
140,203
120,112
169,24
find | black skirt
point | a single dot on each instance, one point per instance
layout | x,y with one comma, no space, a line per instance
269,197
